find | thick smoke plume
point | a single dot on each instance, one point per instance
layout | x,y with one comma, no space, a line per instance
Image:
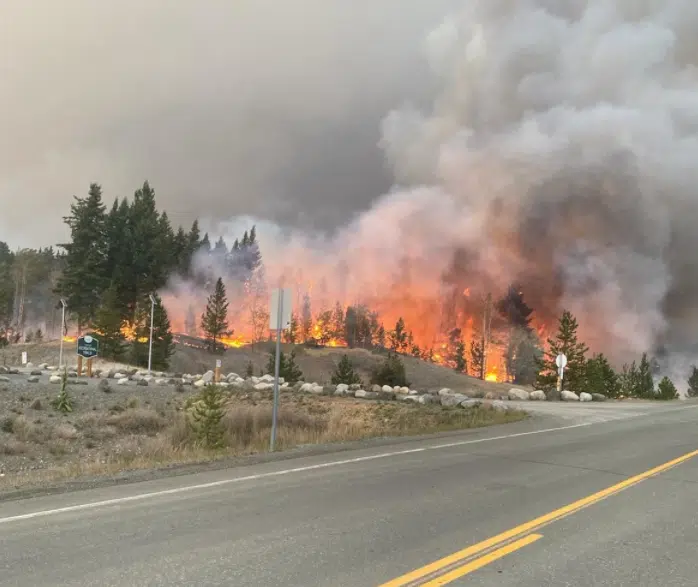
561,154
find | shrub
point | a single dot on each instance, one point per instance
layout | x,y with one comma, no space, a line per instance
666,389
391,372
288,368
344,373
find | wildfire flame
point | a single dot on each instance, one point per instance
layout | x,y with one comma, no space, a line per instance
235,343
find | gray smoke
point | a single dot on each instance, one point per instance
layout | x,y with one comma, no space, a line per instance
560,153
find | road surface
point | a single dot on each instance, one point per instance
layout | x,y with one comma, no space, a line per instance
609,500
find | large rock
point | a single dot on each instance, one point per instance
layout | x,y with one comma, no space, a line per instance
424,399
363,394
386,396
518,394
264,386
569,396
403,390
33,379
499,405
207,377
375,388
355,387
491,395
198,383
471,403
104,386
341,388
118,375
451,401
142,382
267,378
43,366
585,397
122,381
317,389
537,396
445,391
388,389
53,379
306,387
598,397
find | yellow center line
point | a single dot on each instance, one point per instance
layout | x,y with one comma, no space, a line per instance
535,524
484,560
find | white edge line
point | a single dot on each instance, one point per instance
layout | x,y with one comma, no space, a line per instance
186,488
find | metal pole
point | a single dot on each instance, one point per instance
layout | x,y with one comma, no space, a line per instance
150,348
275,410
60,353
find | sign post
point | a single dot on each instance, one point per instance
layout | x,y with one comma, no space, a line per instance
561,362
279,319
88,348
217,372
63,333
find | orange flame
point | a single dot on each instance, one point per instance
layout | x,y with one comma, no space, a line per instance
235,343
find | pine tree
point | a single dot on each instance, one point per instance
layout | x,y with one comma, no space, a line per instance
306,319
337,323
291,333
380,337
344,373
390,372
523,356
628,379
249,369
693,382
288,368
214,321
460,364
163,342
38,335
477,358
565,342
190,322
398,337
644,387
7,291
601,378
84,271
207,415
108,325
666,390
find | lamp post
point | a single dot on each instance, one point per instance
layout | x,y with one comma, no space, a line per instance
150,348
60,354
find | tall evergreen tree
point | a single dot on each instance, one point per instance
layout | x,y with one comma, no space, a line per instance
398,337
214,321
666,390
523,352
477,358
645,382
306,318
6,287
163,343
108,325
84,278
565,342
601,378
693,382
337,325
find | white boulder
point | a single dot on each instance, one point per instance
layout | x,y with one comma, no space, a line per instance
122,381
341,388
537,396
207,377
263,386
199,383
445,391
569,396
518,394
387,389
53,379
585,397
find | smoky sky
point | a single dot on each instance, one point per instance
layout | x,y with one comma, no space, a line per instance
245,107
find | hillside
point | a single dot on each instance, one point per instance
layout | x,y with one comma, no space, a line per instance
317,363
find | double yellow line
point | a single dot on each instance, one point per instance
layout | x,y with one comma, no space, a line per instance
463,562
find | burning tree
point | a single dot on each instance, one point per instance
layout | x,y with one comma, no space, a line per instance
214,321
163,345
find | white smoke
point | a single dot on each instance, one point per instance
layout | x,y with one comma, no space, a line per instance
562,152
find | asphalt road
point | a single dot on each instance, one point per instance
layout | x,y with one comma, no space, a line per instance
519,505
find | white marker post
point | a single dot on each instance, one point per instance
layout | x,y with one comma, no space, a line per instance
279,319
561,362
63,333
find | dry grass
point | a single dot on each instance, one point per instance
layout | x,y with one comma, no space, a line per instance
146,438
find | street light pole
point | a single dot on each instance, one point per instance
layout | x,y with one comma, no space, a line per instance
150,348
60,354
